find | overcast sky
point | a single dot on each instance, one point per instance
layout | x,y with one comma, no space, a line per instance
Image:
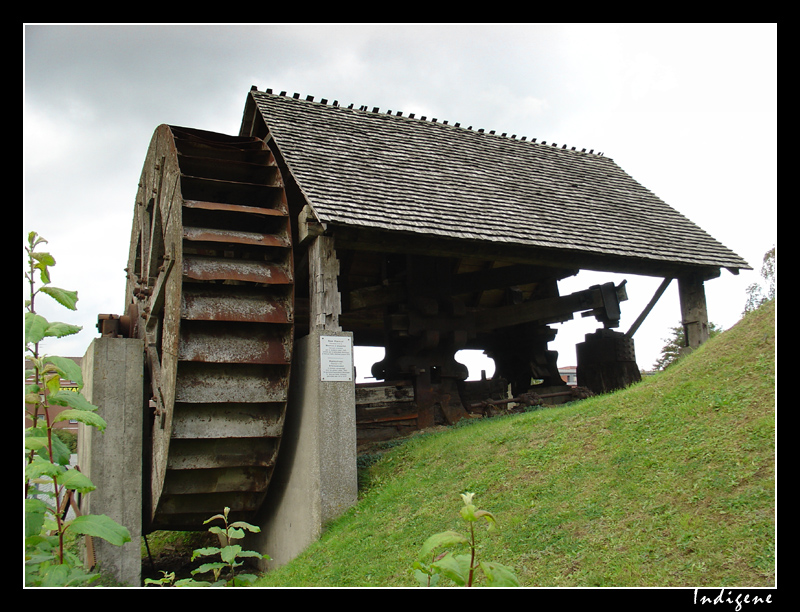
690,111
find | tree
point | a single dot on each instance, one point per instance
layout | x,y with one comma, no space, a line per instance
756,295
672,350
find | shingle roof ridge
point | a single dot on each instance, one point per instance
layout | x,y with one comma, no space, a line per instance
413,116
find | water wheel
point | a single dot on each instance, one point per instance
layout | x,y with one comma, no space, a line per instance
210,291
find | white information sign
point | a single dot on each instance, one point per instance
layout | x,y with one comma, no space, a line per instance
336,358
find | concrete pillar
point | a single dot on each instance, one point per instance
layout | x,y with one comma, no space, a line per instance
315,478
112,375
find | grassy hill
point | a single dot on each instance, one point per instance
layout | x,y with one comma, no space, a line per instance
668,483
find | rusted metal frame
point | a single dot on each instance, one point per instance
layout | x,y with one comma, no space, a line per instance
406,417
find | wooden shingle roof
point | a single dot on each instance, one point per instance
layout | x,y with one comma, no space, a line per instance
364,168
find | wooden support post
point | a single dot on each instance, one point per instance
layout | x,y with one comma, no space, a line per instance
694,314
326,301
659,292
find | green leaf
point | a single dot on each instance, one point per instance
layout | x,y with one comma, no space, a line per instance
45,259
82,416
213,518
243,525
498,575
59,330
244,579
229,553
40,467
456,568
64,575
66,298
61,452
77,481
35,327
72,399
235,534
488,516
250,553
35,443
425,579
35,510
204,552
445,538
55,575
34,240
207,567
67,369
52,382
100,526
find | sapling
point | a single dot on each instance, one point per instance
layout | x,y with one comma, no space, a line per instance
431,564
224,570
48,562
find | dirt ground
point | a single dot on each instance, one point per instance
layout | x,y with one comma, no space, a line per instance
176,556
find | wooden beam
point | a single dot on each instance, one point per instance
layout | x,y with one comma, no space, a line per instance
659,292
548,310
505,276
694,313
377,295
468,282
367,239
308,227
325,300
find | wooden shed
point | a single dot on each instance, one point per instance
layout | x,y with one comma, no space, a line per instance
427,237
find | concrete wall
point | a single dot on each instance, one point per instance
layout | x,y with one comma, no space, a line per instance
315,479
112,376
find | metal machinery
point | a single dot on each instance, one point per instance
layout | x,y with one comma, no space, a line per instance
211,291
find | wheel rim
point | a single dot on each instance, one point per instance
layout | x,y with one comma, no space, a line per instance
211,290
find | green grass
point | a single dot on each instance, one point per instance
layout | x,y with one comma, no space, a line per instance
668,483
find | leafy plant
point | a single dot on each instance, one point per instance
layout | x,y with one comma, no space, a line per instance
48,562
167,579
461,568
224,570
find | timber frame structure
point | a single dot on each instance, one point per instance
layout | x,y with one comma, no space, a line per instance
426,238
412,234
